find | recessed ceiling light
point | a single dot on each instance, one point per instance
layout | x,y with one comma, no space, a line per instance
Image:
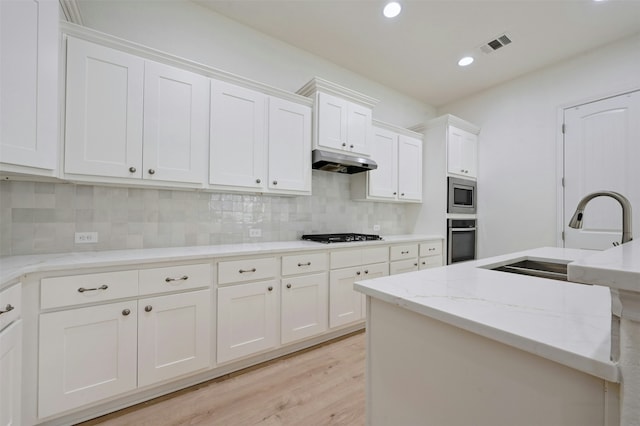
392,9
467,60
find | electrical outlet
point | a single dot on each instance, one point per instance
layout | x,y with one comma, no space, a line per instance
86,237
255,232
376,227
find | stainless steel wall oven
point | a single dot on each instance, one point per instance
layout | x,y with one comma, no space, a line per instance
461,240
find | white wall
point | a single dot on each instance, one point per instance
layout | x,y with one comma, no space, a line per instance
519,135
193,32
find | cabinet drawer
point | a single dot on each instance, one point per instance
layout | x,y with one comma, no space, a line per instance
407,251
402,266
430,261
375,255
346,258
88,288
163,280
304,263
431,248
235,271
10,305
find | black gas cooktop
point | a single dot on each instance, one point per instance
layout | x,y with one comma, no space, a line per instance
340,238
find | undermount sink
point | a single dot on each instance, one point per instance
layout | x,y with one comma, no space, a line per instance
536,268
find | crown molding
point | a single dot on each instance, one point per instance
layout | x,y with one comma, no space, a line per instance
318,84
71,11
398,129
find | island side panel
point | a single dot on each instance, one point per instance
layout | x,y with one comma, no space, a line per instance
423,371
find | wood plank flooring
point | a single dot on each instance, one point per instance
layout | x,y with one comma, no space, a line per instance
323,385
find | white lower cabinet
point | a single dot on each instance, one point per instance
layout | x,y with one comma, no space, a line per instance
86,354
247,319
304,306
10,374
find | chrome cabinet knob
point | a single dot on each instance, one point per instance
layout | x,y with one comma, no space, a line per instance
402,194
152,172
366,271
288,285
270,288
148,308
350,146
275,182
358,273
395,193
344,144
126,312
132,169
258,180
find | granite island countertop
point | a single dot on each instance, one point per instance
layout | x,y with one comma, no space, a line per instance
565,322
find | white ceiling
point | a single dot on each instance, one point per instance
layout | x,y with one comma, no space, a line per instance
417,52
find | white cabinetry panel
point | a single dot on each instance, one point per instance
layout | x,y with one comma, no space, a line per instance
409,168
247,319
86,354
383,181
174,335
11,374
237,149
345,304
104,111
29,83
462,154
304,306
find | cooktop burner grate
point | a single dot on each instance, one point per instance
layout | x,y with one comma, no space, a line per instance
340,238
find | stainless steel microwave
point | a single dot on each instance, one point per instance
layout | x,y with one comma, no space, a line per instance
462,196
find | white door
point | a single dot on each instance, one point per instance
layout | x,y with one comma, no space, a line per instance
29,83
104,111
359,129
345,304
332,121
10,374
383,181
289,146
238,142
409,168
461,152
86,355
601,152
304,306
176,124
173,335
247,319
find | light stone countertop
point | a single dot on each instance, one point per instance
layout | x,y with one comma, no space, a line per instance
568,323
13,267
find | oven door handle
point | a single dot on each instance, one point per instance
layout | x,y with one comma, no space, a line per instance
461,229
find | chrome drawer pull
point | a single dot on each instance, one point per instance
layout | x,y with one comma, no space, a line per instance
242,271
182,278
304,264
7,308
102,287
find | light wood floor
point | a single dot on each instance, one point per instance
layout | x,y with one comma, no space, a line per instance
319,386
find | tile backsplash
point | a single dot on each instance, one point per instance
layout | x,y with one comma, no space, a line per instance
38,217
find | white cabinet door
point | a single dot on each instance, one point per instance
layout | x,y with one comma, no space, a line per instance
289,146
247,319
345,304
29,83
237,145
86,355
332,121
11,374
304,306
402,266
409,169
104,111
173,335
370,272
462,152
383,181
176,124
359,129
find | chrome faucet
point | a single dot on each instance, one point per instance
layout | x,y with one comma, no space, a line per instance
576,220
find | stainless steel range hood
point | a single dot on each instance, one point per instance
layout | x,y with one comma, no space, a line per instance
341,163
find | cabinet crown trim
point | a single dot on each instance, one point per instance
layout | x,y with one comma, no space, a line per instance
447,119
318,84
397,129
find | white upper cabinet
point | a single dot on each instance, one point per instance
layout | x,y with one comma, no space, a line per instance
462,147
127,117
259,143
238,145
289,146
343,117
29,86
104,111
176,124
398,177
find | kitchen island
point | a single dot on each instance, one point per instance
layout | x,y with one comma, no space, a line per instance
465,344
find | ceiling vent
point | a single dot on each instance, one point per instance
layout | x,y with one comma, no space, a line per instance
495,44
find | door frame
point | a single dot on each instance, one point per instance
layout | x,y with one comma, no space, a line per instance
560,207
